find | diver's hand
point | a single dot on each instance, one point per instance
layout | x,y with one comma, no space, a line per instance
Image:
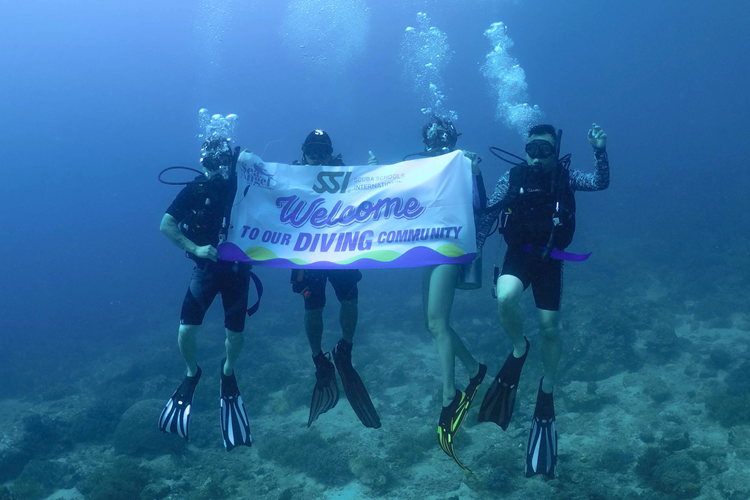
475,161
207,252
597,137
245,155
372,160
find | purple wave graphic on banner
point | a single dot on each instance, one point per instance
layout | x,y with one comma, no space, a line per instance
416,257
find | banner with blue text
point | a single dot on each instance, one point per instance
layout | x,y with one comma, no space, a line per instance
411,214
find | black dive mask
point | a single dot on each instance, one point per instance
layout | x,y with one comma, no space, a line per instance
216,154
214,163
438,138
221,172
317,152
539,149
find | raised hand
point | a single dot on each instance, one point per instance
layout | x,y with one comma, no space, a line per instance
475,161
372,160
597,137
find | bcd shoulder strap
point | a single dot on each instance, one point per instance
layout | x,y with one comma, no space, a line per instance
517,177
560,185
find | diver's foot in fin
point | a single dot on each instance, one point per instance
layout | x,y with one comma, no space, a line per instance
475,382
234,423
451,419
500,398
175,417
355,389
326,390
541,451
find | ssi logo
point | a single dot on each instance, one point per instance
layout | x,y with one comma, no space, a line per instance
328,182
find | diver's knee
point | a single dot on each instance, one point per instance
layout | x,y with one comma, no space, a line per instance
505,301
349,304
437,325
508,295
188,332
314,314
235,337
548,327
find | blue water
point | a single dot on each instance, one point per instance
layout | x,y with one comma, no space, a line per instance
98,97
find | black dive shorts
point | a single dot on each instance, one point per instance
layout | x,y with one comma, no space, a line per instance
545,277
312,285
231,280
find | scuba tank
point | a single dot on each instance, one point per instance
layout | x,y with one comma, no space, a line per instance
470,275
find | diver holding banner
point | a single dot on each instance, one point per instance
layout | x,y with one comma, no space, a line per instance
196,222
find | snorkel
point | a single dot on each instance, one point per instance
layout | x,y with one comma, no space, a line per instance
503,155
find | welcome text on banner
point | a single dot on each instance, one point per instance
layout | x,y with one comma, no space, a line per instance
410,214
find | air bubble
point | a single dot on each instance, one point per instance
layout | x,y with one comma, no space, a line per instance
508,81
216,125
424,55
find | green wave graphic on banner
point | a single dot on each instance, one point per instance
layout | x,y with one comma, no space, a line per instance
262,254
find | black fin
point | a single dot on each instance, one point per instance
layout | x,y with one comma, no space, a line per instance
234,422
355,389
541,450
326,391
175,417
497,405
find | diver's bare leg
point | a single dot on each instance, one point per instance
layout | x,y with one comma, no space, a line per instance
509,290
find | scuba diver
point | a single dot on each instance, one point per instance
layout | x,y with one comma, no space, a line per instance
311,284
439,285
196,222
535,205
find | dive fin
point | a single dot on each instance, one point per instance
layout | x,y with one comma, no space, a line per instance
451,419
175,417
453,415
354,388
234,423
541,450
497,405
326,391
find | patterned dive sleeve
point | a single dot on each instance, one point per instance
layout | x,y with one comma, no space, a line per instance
581,181
487,221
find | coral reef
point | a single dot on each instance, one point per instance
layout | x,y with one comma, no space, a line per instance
124,479
325,461
674,474
602,348
373,472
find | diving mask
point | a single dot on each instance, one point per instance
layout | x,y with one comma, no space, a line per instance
539,149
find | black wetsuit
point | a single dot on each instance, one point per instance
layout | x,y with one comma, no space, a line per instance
311,283
200,209
544,275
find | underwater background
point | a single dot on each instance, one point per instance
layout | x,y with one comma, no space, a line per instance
98,97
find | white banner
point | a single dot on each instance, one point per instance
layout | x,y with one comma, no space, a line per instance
411,214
